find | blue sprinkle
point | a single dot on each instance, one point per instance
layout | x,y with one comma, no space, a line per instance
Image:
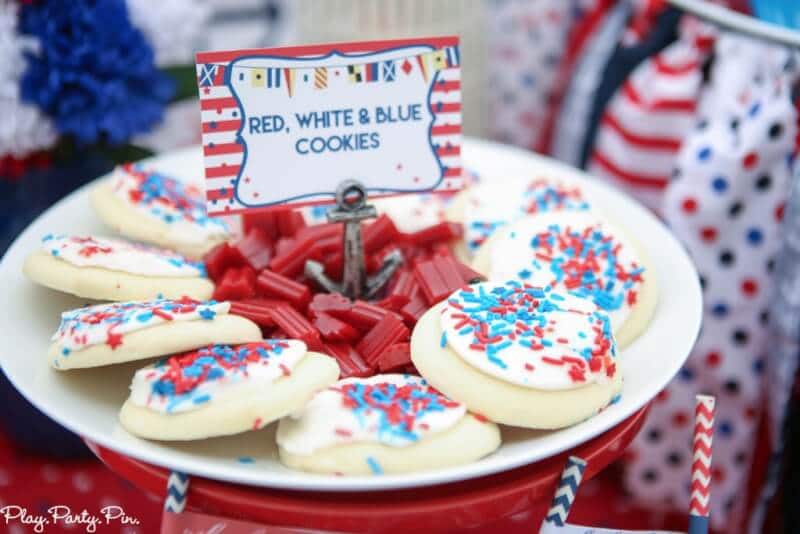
201,399
65,351
245,460
374,466
443,341
206,313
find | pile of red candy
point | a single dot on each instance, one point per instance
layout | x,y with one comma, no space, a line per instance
262,276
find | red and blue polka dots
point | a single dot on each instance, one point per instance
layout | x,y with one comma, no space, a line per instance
725,203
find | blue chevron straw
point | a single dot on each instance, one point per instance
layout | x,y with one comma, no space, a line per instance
177,488
565,491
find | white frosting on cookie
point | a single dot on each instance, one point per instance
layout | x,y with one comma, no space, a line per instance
106,323
571,252
118,255
409,213
395,410
532,337
412,213
179,206
188,381
494,204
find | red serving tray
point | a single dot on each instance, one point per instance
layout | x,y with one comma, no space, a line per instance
512,501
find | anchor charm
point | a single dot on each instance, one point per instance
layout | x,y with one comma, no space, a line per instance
351,209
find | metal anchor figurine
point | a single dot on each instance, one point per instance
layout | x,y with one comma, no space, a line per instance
351,209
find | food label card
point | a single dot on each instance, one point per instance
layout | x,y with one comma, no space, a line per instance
287,125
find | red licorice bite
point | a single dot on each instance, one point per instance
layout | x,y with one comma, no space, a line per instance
220,258
237,283
442,232
379,233
274,285
289,222
295,325
257,310
264,220
395,358
332,329
438,278
255,248
389,330
350,362
292,261
331,303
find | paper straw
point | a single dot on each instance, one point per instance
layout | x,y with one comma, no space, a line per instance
701,464
177,488
565,491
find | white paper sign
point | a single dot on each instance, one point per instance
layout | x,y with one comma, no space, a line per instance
286,126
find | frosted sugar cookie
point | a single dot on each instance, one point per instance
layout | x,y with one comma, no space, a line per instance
102,268
409,213
383,424
487,206
582,254
222,389
125,331
520,355
148,206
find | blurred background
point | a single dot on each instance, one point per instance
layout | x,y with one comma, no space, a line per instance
693,114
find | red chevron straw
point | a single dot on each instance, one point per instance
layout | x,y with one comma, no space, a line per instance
701,464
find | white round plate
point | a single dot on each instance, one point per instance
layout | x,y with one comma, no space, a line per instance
87,401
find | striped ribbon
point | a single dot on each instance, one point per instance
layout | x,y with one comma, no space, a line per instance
565,491
701,464
177,488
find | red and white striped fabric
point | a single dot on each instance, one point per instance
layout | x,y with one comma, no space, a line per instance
642,128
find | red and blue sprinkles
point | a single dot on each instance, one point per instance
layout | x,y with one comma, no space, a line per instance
177,380
586,263
106,323
401,409
165,198
511,329
540,196
100,251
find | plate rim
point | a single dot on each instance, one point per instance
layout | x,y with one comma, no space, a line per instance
312,482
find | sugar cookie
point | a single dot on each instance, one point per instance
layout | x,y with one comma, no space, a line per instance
487,206
383,424
125,331
102,268
221,389
582,254
519,355
151,207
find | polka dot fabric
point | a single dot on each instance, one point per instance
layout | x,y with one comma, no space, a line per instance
726,203
526,44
